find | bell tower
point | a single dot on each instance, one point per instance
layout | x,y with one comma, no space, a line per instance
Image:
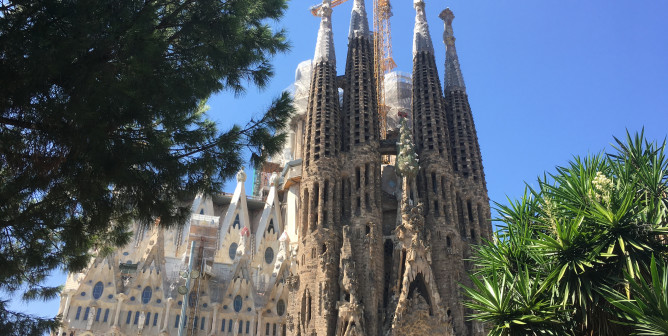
362,219
320,217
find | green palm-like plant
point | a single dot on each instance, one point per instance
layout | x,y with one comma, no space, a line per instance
648,310
515,305
583,229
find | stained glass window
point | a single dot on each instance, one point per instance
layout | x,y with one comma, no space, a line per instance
238,303
280,307
269,255
146,294
97,290
233,250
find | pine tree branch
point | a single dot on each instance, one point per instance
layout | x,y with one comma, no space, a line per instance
20,123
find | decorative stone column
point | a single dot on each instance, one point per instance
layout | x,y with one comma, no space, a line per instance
259,322
214,318
121,298
91,316
142,320
169,306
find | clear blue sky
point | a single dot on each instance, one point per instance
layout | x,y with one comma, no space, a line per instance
546,79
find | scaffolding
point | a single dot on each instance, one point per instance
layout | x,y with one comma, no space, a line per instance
382,56
398,95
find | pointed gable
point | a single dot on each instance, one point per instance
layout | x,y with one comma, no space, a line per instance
237,212
271,214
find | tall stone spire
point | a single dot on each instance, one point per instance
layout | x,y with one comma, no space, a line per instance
472,203
360,110
324,47
361,178
320,194
436,182
359,25
466,158
421,36
428,105
453,73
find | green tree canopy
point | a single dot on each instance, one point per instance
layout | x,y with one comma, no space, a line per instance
102,121
568,250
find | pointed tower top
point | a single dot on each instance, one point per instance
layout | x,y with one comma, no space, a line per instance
359,25
453,73
241,175
421,37
324,48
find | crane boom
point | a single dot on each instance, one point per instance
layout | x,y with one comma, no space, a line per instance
315,10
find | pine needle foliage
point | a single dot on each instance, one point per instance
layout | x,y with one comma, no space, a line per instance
587,235
103,122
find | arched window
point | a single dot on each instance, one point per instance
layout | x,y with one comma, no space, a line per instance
106,315
86,313
269,255
238,303
237,223
233,250
147,319
271,228
97,290
146,294
280,307
78,313
201,212
448,241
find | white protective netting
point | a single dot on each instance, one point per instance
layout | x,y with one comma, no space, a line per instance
398,93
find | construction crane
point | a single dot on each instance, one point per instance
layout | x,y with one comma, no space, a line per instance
382,56
315,10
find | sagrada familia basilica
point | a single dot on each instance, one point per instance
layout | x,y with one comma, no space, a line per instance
346,233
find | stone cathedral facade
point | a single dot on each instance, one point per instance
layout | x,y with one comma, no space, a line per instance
345,233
